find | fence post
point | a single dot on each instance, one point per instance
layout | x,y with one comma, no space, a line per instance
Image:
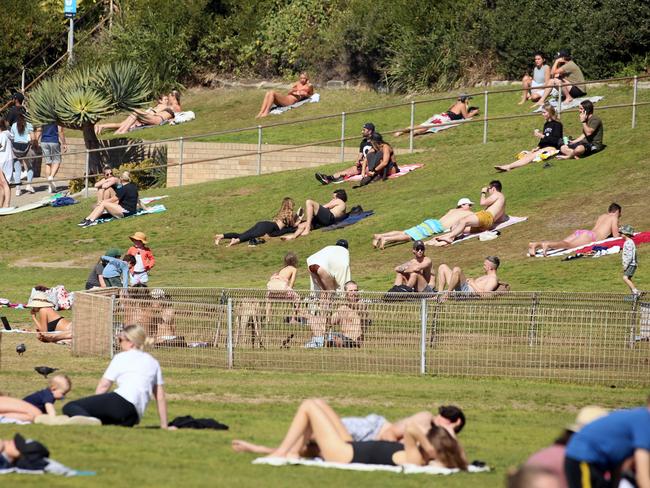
532,329
412,126
423,336
634,93
180,161
22,82
229,338
86,189
342,137
259,150
485,118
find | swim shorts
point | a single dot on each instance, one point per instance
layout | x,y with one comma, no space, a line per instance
364,428
485,219
630,270
426,229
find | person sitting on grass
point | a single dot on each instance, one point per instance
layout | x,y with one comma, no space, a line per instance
374,427
284,218
455,280
380,162
95,278
58,386
591,140
459,110
427,228
532,85
317,420
116,272
567,77
50,326
301,90
351,317
606,225
321,215
138,377
549,138
494,202
629,258
365,146
416,273
123,204
107,185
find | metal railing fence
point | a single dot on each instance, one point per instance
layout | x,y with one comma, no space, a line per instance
575,337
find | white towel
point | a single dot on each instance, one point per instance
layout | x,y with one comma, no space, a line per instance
275,110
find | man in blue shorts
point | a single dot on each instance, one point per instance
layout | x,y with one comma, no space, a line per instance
595,454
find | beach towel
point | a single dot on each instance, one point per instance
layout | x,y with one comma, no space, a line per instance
406,469
403,170
52,467
182,117
148,200
436,122
572,104
511,220
152,210
351,219
31,206
275,110
610,242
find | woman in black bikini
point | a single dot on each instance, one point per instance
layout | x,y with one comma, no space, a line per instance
47,320
299,91
316,420
459,110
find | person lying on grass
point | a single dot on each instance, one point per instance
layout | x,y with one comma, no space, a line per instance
315,419
321,215
301,90
24,454
58,386
374,427
459,110
50,325
606,225
427,228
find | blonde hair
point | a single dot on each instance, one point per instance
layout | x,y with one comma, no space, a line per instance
547,107
136,335
285,214
56,380
126,176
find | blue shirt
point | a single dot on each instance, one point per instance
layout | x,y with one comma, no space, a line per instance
24,137
116,267
608,441
40,398
50,133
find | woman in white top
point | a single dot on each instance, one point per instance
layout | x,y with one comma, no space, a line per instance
138,377
6,164
541,77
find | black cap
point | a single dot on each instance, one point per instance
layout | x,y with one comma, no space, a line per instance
33,454
369,126
418,245
18,96
376,137
563,53
342,243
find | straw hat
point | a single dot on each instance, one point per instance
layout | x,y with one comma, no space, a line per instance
39,300
585,416
139,236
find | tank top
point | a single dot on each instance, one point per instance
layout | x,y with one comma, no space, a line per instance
538,75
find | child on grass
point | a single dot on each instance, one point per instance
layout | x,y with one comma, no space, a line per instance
139,275
629,257
58,387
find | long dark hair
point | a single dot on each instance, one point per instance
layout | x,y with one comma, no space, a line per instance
21,122
448,451
3,124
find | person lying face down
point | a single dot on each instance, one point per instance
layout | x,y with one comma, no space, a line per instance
23,453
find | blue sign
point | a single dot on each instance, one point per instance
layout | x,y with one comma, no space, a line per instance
69,8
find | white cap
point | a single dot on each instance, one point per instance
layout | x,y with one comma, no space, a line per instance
464,201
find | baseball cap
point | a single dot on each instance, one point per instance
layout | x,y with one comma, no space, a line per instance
18,96
369,126
464,201
33,454
418,245
563,53
114,253
342,243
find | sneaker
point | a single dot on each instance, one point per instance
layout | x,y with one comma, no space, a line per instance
336,180
46,419
323,179
83,222
30,189
18,192
82,420
89,223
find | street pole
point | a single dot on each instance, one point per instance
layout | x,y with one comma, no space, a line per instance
71,41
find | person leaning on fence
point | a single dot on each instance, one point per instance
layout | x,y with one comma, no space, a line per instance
366,131
51,138
416,273
568,77
629,258
123,204
138,377
116,272
591,140
455,280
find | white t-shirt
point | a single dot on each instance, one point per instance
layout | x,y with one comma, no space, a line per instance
136,373
336,260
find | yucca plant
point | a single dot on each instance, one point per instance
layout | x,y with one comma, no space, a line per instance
80,98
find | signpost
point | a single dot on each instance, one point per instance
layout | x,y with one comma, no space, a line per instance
70,11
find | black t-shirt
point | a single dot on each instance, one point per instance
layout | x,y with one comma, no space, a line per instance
364,147
552,135
128,197
93,277
12,114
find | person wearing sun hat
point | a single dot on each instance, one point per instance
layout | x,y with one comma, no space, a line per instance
51,326
143,257
629,257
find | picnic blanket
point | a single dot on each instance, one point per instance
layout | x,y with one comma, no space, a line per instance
406,469
275,110
179,118
510,220
352,218
403,170
436,121
152,210
572,104
610,242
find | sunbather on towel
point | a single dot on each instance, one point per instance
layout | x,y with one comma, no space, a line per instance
166,109
299,91
549,138
380,163
455,280
323,215
606,225
459,110
494,202
427,228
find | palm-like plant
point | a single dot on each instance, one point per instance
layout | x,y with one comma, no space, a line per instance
80,98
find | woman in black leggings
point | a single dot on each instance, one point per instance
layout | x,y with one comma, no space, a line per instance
138,377
284,218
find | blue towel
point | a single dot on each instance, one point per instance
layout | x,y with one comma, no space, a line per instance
349,220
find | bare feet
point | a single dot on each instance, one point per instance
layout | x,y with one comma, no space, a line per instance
306,231
381,243
217,239
46,337
544,249
375,240
502,169
532,249
233,242
522,102
243,446
444,240
398,133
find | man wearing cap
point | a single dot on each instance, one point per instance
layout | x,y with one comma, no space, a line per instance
144,259
568,77
416,273
329,268
455,280
427,228
23,453
365,146
15,109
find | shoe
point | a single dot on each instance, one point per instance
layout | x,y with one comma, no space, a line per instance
89,223
336,180
82,420
51,187
323,179
83,223
46,419
30,189
256,241
547,164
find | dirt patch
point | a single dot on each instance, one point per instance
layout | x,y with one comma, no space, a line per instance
287,400
80,262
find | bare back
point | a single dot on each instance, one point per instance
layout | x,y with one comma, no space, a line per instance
606,225
454,215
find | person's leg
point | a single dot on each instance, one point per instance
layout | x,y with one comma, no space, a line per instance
57,337
380,240
112,208
527,159
110,408
5,191
18,409
334,418
458,228
400,279
457,278
525,83
129,122
566,90
629,283
574,240
444,275
258,230
416,281
243,446
326,279
267,103
300,230
311,209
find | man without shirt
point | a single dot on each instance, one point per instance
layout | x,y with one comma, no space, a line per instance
323,215
455,280
416,273
351,316
427,228
494,202
367,131
606,225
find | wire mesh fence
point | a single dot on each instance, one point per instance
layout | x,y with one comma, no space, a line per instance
578,337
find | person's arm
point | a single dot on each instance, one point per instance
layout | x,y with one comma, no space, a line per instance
103,386
102,283
292,278
38,133
161,402
547,75
555,69
384,161
64,144
487,200
49,409
148,260
642,463
124,268
331,204
41,320
414,439
587,130
615,232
